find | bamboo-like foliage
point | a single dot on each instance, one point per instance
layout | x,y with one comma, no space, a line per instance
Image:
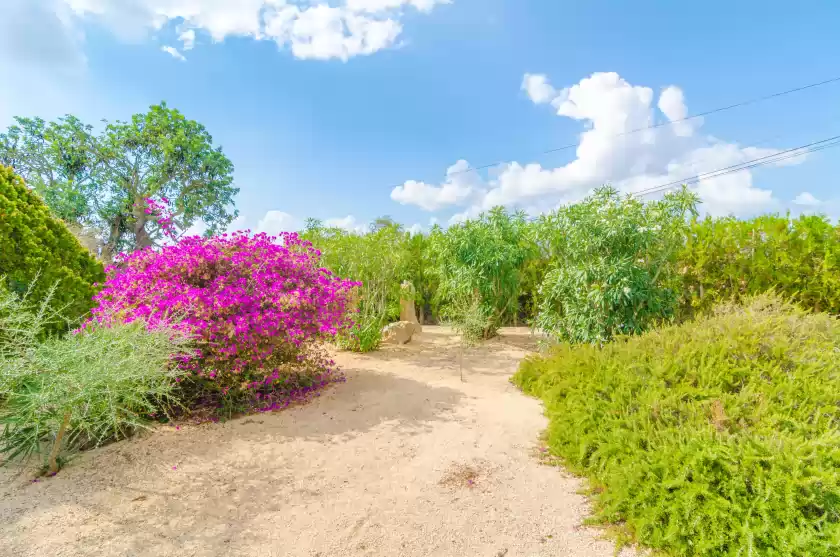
728,258
478,265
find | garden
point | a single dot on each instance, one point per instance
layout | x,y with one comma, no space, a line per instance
689,366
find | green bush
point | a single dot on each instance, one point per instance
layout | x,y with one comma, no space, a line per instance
37,245
481,260
727,258
63,394
380,260
715,437
612,264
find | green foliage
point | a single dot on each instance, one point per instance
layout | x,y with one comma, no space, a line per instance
612,264
472,319
37,245
715,437
103,181
727,259
66,393
481,259
377,259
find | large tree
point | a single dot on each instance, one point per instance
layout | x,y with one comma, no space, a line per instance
105,180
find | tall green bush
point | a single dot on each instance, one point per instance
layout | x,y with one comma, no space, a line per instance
481,261
727,259
718,437
37,245
379,259
612,263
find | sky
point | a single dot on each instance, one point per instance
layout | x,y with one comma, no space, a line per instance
347,110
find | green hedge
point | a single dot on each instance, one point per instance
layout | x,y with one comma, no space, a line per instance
35,244
726,259
716,437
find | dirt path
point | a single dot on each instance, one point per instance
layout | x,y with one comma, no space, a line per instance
402,460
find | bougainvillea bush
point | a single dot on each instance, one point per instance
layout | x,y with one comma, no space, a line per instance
256,306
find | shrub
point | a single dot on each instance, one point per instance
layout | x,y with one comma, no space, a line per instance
613,265
727,259
481,259
715,437
379,260
255,305
37,245
62,394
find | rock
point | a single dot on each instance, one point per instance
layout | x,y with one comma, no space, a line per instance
407,310
400,332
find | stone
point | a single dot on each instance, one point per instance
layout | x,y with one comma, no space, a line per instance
400,332
407,310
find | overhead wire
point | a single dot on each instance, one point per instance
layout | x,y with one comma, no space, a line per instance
746,165
662,124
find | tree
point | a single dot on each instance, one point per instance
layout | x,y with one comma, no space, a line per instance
58,160
107,180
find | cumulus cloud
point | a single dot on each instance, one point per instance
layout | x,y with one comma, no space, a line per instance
275,222
538,88
461,183
174,52
611,149
187,38
348,223
311,29
806,199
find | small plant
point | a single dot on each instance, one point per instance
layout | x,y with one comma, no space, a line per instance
714,437
63,394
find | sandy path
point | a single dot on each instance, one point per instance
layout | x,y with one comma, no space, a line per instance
382,465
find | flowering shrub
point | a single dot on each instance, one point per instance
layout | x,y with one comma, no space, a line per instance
160,212
255,305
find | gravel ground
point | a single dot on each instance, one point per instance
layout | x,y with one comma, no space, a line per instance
404,459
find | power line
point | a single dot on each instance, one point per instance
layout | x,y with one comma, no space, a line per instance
663,124
746,165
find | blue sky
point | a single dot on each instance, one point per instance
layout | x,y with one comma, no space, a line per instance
325,108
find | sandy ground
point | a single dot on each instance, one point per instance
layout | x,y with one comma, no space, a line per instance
402,460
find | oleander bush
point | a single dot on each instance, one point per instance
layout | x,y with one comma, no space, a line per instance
715,437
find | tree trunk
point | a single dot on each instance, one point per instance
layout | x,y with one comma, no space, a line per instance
53,459
109,250
141,235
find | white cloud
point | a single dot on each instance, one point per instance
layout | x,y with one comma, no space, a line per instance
612,150
172,51
275,222
461,183
538,88
311,29
672,105
187,38
323,32
348,223
375,6
807,199
35,35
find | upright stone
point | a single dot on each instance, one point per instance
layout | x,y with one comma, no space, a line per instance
407,311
